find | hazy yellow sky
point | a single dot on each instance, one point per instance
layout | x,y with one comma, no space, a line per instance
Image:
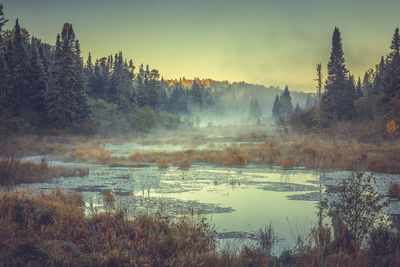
270,42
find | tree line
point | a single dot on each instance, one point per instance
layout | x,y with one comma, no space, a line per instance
373,100
49,88
46,87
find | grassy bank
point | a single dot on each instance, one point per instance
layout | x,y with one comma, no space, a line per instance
311,151
51,229
13,171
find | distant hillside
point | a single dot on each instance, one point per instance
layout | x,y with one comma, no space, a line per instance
235,97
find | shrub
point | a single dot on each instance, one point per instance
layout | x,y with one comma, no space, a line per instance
357,207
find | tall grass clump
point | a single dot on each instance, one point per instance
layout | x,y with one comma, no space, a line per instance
90,153
305,151
13,171
40,229
49,229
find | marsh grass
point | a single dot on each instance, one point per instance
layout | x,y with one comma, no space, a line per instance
13,171
90,153
310,151
162,164
302,151
49,229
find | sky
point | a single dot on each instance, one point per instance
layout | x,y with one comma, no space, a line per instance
269,42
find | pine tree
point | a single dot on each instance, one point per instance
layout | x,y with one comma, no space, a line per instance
297,109
89,64
66,99
359,92
391,73
310,102
79,88
19,94
141,88
126,92
276,113
196,94
178,100
99,82
147,87
339,95
209,98
53,96
286,107
153,87
3,20
3,78
3,64
255,110
377,84
162,101
37,84
368,82
391,81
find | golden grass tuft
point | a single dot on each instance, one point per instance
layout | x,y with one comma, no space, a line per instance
310,151
287,163
90,153
13,171
162,164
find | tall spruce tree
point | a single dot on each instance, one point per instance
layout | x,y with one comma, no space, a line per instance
197,94
66,99
3,78
79,88
3,20
37,85
255,110
3,63
19,95
391,73
126,91
380,68
297,109
339,95
276,113
359,92
99,82
147,87
177,102
285,101
391,80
